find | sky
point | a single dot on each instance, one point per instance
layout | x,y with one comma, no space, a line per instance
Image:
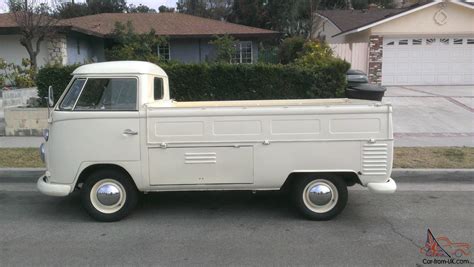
150,3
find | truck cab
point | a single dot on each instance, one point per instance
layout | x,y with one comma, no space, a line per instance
115,132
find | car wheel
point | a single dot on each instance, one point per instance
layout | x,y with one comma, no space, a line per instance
320,197
459,253
108,195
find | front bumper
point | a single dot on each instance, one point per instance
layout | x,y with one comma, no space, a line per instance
383,188
55,190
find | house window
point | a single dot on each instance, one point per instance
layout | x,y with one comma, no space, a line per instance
164,51
430,41
457,41
403,42
243,53
444,41
416,41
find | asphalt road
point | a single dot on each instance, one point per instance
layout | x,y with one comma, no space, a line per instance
233,228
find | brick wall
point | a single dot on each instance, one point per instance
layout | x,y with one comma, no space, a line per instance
375,58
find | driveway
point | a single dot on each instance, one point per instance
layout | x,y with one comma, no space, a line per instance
432,115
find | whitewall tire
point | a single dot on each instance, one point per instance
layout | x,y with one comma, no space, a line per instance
320,197
108,195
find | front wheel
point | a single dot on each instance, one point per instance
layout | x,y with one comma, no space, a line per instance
108,195
320,197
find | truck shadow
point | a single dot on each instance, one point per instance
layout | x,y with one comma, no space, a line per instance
216,203
275,205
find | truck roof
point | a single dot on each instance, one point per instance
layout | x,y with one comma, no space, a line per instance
121,67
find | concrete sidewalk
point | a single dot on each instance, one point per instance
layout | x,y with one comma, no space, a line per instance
20,141
432,115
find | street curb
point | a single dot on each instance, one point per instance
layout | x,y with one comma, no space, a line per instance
20,175
399,175
433,175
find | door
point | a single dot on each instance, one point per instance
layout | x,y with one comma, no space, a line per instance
99,118
201,165
428,61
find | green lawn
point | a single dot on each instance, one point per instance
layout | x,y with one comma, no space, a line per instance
405,157
434,157
20,158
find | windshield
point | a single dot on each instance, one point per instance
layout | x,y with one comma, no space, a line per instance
72,95
114,94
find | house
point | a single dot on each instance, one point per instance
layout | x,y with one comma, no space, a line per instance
429,44
84,39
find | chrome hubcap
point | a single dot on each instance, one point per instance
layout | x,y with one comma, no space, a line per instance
320,194
108,194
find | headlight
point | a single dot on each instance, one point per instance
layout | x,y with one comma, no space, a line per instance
46,134
42,152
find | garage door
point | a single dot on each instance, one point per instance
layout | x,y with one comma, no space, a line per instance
428,61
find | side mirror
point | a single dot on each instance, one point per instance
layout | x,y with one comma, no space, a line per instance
50,96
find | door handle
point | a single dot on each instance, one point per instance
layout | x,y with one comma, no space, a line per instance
129,132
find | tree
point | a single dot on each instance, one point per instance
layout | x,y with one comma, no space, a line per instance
106,6
91,7
164,9
67,10
290,48
225,47
250,13
129,45
35,23
192,7
214,9
140,9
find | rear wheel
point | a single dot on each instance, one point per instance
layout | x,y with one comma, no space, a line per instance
320,197
108,195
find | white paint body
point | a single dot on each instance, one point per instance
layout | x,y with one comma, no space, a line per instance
226,145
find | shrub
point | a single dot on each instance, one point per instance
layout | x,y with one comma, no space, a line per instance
129,45
316,53
55,75
290,48
199,82
261,81
19,76
225,48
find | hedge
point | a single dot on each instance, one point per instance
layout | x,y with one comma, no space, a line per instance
199,82
56,76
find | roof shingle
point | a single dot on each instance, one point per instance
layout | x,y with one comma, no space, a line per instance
170,24
347,20
7,21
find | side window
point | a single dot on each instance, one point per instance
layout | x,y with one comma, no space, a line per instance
72,95
108,94
158,88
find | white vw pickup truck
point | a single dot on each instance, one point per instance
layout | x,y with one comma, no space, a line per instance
115,132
